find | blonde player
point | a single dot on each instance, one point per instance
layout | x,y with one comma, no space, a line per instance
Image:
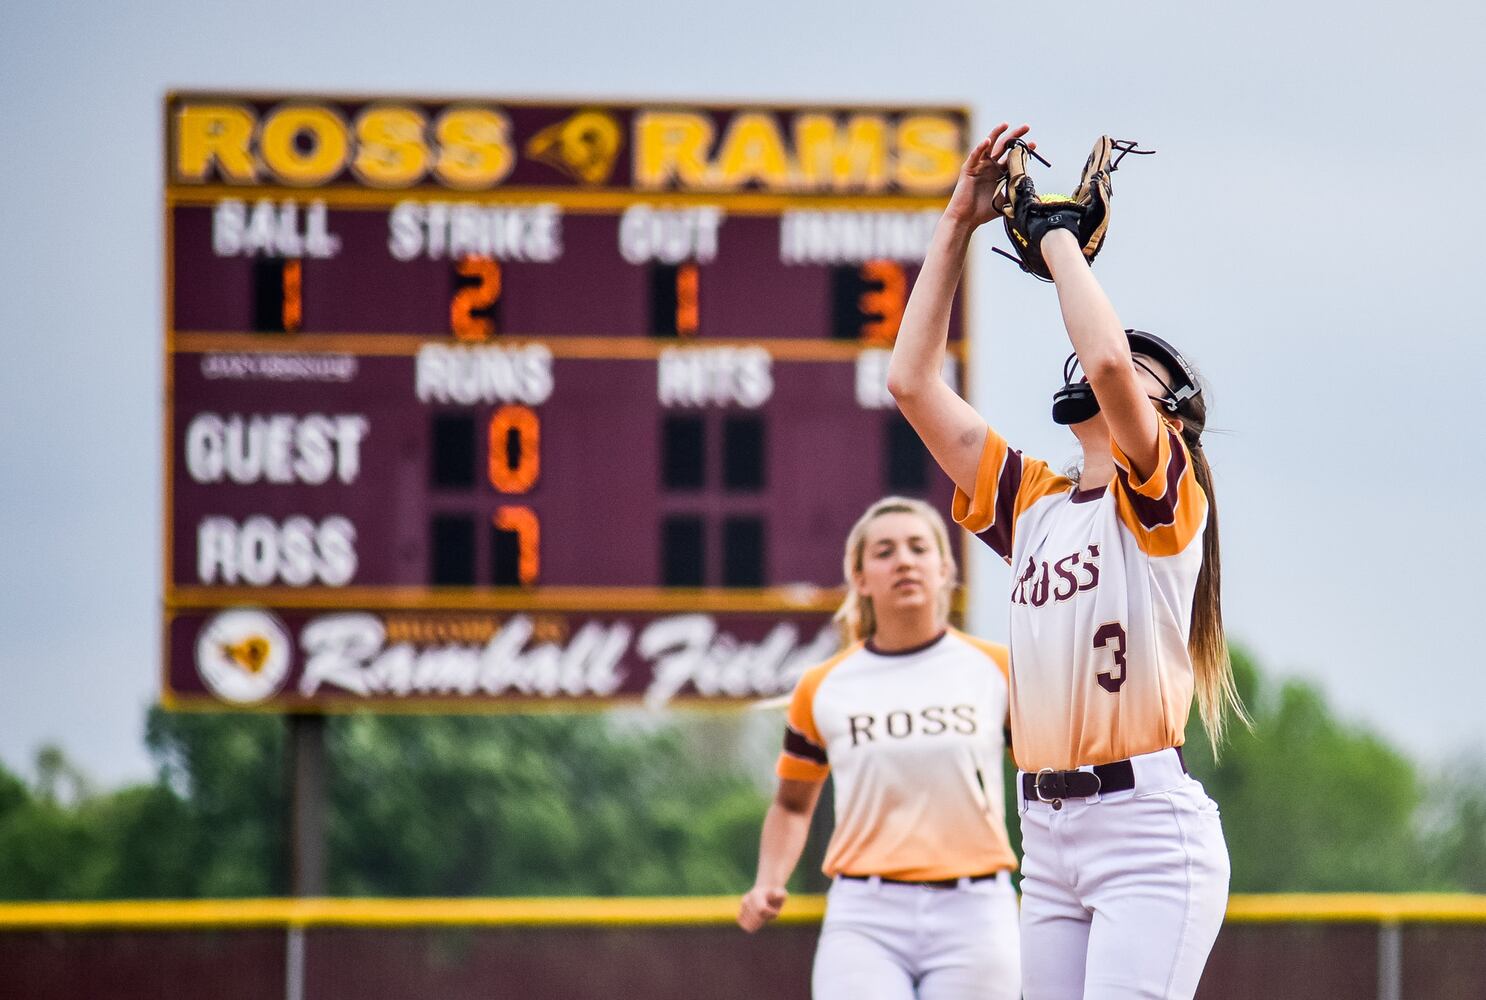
909,717
1115,619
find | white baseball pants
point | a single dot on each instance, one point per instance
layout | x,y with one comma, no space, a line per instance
882,941
1122,895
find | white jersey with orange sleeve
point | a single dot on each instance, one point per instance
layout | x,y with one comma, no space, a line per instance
1101,600
915,741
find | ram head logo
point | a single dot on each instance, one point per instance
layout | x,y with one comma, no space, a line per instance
250,654
583,146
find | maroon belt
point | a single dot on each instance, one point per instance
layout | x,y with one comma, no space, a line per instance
1054,786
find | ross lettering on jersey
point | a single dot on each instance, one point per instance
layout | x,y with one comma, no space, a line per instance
1060,580
934,723
1019,592
900,723
1092,567
1038,594
965,716
1062,569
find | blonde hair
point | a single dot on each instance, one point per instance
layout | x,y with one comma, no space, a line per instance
855,618
1212,669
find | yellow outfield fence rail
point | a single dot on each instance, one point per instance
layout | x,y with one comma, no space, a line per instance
668,911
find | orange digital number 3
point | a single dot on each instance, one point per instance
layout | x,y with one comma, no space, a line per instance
884,303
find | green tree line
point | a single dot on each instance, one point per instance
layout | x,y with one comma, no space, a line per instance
622,803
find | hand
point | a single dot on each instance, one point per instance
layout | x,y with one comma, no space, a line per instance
759,906
974,200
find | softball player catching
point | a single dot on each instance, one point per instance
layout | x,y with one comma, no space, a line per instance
909,717
1115,615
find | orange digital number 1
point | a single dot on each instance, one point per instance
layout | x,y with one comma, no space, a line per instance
688,311
475,298
293,314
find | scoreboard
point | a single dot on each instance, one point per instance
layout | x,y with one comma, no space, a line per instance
489,403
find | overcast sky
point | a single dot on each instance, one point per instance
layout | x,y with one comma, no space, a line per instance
1309,233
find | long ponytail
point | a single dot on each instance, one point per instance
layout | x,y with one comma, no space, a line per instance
1212,668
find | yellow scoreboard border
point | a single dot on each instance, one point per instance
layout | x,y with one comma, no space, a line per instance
578,199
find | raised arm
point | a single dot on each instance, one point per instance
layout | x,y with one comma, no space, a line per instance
949,426
786,826
1098,338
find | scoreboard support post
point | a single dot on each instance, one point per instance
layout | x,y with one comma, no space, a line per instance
306,773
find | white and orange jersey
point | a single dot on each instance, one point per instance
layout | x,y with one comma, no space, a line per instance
914,739
1101,600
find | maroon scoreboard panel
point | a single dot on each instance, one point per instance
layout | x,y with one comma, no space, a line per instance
483,402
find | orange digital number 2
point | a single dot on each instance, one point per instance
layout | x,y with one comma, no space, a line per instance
470,299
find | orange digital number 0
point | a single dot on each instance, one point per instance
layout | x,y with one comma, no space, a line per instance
483,294
528,531
884,303
518,476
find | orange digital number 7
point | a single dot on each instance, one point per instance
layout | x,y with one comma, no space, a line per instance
522,522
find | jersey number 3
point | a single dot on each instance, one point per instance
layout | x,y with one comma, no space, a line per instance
1111,635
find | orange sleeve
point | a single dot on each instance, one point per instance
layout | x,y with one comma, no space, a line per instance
1006,483
999,655
804,755
1166,510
